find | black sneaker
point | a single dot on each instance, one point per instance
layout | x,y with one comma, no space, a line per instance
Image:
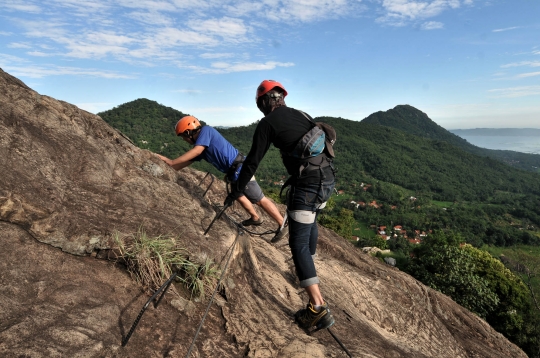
280,235
250,222
308,317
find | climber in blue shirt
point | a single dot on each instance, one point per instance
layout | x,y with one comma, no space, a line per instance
210,145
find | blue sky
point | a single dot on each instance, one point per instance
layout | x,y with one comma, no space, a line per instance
465,63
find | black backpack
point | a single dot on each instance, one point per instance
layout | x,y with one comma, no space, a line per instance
320,138
314,151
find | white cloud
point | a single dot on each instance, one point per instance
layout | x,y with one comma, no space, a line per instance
227,28
244,8
149,5
152,18
225,67
530,74
44,28
402,12
108,38
150,57
253,66
96,45
506,29
6,59
165,32
94,51
18,45
21,6
38,54
514,92
216,55
522,63
308,10
432,25
297,10
171,37
40,72
79,5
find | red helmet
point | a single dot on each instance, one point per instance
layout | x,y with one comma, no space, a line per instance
186,125
266,86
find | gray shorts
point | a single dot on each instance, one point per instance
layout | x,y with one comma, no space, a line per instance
253,192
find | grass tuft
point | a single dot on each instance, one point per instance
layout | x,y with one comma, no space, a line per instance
152,260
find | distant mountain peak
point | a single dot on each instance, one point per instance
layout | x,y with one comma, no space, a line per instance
408,119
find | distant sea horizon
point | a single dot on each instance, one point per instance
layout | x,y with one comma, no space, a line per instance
528,141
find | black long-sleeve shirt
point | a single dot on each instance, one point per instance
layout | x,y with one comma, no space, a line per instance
283,128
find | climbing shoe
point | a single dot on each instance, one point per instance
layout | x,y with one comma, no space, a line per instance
280,235
250,222
308,317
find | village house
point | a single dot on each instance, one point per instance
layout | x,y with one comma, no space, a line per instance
356,205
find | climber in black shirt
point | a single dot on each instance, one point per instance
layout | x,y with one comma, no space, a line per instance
311,187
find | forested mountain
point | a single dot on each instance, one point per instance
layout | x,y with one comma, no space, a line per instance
413,121
368,152
399,156
480,198
150,125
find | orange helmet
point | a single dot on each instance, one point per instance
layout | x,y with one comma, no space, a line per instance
266,86
186,125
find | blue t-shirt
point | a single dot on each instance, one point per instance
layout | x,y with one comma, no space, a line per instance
219,152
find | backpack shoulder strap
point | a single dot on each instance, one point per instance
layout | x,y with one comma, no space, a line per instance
305,115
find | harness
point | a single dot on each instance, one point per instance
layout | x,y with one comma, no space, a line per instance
305,161
235,168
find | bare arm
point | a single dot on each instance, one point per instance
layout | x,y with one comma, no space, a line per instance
185,159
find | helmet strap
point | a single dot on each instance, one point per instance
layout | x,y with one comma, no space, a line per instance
192,132
270,101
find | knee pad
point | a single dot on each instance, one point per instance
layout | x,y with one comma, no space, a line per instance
302,216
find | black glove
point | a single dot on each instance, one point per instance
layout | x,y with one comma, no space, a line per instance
229,200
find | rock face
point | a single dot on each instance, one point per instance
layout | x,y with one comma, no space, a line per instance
69,181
